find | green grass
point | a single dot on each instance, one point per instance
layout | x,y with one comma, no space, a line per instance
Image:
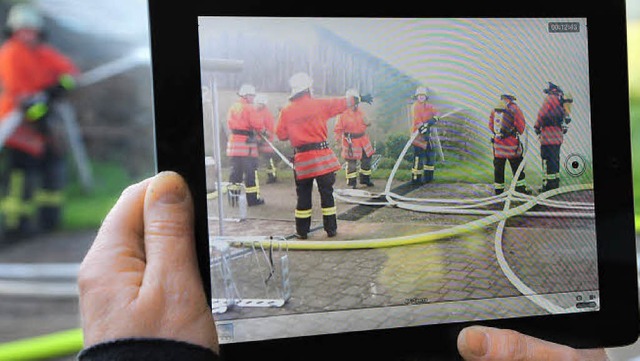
86,210
445,173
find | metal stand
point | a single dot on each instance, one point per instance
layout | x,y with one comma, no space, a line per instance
249,276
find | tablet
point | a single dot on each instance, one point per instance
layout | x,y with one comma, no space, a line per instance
369,179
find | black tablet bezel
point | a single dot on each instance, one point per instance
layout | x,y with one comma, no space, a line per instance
180,147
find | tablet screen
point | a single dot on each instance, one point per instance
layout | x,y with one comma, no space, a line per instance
462,192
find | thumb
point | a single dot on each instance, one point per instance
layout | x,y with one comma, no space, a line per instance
169,228
479,343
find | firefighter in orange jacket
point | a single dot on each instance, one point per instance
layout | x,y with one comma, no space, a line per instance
303,121
507,124
266,152
350,132
424,116
245,127
32,75
551,125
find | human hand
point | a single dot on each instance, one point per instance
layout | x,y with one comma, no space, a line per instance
140,278
35,107
424,128
478,343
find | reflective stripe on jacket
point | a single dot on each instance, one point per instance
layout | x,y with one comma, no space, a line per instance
551,136
315,163
28,140
507,148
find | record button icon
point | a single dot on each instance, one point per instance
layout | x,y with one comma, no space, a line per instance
575,165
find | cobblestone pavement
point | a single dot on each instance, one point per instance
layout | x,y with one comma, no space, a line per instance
549,255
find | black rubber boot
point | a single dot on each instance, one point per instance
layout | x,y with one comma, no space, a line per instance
253,200
417,180
366,180
330,224
302,227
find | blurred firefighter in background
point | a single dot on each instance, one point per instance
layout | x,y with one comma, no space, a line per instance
32,74
303,121
424,116
266,152
507,124
551,126
245,127
350,132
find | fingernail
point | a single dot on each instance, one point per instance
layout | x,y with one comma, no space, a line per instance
168,188
477,341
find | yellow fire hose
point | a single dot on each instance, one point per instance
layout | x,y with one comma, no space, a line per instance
421,237
44,347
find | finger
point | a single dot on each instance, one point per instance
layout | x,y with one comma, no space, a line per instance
478,343
111,272
118,243
168,229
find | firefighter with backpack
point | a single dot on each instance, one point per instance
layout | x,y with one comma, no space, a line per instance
507,124
551,125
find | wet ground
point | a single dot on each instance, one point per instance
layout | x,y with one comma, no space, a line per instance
452,259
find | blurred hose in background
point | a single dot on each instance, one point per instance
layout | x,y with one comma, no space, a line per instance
56,344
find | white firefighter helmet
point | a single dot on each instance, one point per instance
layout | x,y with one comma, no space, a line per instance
23,16
247,89
552,89
422,91
300,82
352,93
509,95
499,105
261,99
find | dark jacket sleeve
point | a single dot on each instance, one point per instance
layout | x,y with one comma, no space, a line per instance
142,349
